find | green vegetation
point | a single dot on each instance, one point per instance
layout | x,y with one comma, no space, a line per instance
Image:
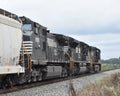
109,86
110,66
111,61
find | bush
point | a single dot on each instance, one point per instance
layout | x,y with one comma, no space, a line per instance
109,86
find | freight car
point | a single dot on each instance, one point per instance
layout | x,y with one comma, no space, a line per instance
10,45
43,54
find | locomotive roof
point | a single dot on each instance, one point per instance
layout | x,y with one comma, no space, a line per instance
73,42
83,43
23,18
60,37
92,47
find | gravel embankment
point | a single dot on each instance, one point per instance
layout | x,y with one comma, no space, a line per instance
61,88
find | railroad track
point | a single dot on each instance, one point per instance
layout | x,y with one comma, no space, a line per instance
41,83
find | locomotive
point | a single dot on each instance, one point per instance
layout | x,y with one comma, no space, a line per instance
54,55
46,55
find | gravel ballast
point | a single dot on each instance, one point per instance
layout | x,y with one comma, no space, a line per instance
62,88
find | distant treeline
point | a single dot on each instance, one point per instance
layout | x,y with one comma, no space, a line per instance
112,61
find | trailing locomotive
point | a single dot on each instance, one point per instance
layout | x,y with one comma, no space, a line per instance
43,54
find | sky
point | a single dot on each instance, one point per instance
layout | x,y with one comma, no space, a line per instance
96,22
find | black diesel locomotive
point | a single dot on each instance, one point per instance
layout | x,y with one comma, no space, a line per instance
46,55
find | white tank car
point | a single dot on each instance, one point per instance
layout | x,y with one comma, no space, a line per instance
10,43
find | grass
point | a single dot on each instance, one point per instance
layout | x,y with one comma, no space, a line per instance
110,66
109,86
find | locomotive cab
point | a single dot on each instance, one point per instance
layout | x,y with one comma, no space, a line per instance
33,49
94,57
34,40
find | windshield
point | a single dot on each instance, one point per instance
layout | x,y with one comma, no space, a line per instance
27,27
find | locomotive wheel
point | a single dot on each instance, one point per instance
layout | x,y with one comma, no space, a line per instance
44,75
96,68
8,81
88,69
28,78
75,71
34,78
64,72
39,78
24,78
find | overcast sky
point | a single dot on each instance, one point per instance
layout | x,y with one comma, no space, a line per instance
96,22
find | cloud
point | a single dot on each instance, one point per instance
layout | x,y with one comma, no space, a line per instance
95,22
108,43
80,16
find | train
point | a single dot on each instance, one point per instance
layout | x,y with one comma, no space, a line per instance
31,53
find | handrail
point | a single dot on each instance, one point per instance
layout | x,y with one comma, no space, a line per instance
29,59
24,50
71,61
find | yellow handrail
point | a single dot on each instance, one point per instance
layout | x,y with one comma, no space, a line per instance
71,61
29,59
